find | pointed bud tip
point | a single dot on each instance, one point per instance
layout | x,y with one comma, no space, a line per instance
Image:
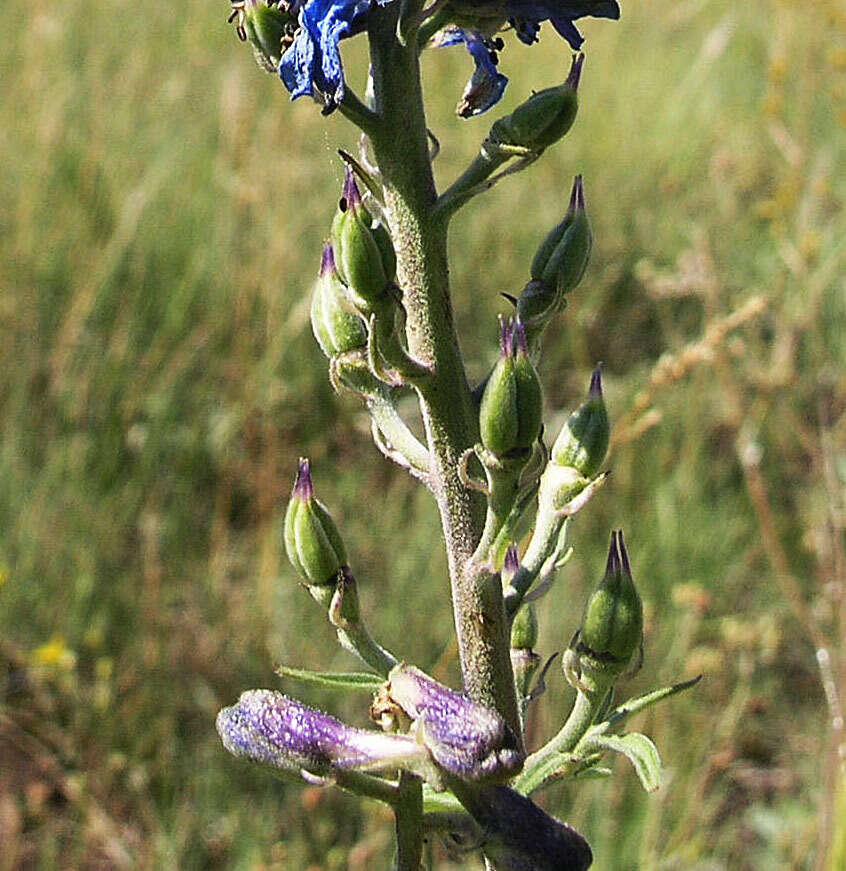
575,74
519,337
506,337
595,389
624,555
350,196
512,559
303,487
327,260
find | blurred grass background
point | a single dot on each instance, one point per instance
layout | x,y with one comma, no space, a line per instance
161,211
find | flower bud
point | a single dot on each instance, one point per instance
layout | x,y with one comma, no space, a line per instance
583,441
364,252
545,117
612,627
312,540
269,728
269,27
336,327
511,410
567,262
550,243
524,629
465,739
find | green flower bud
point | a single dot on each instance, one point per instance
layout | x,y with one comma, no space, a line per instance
524,629
612,628
550,243
545,117
336,327
583,441
312,540
269,27
566,264
364,253
512,404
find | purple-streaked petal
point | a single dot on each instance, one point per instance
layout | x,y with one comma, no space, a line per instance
465,738
269,728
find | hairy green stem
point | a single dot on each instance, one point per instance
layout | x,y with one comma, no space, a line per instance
540,766
401,150
408,812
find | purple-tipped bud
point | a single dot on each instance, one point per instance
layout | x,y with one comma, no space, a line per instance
543,118
269,728
510,413
336,325
465,739
327,261
303,486
312,540
364,251
612,628
350,194
583,441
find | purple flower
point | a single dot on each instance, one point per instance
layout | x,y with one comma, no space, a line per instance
465,738
269,728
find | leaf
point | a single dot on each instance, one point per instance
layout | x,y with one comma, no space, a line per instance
333,680
634,706
640,751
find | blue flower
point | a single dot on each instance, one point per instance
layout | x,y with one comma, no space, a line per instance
487,84
476,22
312,64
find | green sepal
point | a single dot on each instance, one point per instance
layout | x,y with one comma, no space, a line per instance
354,680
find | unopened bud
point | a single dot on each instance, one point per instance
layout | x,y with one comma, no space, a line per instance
271,729
336,326
567,262
511,410
583,441
545,117
364,252
612,628
524,629
269,27
312,540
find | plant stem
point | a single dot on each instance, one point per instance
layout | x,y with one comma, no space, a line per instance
541,765
401,150
408,812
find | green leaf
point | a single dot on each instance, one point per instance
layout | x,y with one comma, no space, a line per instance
440,802
333,680
634,706
640,751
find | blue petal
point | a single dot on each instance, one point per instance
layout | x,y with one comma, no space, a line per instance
313,61
487,84
567,29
